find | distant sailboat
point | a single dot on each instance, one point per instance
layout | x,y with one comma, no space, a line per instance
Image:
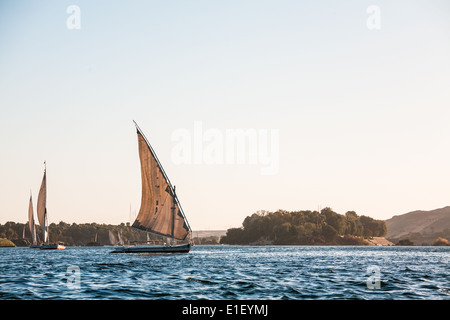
119,235
160,211
94,243
112,238
32,226
42,215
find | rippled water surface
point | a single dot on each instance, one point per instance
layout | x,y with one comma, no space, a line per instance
228,272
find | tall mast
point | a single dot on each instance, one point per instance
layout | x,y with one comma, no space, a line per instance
46,237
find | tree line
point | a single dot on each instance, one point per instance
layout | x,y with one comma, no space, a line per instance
85,234
74,234
305,228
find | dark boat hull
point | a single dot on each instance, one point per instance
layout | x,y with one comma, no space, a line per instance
182,248
94,244
52,247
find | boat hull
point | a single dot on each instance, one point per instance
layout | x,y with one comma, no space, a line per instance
182,248
52,247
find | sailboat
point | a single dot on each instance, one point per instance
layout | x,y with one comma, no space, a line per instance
119,236
42,215
112,238
94,243
160,212
32,226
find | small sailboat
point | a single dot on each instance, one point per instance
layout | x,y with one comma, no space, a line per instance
32,226
119,236
160,212
42,216
112,238
95,242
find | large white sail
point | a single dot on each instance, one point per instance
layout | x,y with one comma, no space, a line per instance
160,210
112,238
119,235
42,207
31,222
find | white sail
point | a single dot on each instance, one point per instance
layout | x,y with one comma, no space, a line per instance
42,208
160,210
31,224
112,238
119,235
46,239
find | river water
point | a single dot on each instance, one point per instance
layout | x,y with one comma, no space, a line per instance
228,273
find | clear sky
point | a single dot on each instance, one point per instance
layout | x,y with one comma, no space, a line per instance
362,113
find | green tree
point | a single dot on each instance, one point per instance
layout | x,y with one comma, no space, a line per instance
234,236
353,224
329,233
335,220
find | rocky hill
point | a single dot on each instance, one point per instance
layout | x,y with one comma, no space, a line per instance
208,233
422,227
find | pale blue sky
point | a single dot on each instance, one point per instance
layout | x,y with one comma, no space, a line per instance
363,115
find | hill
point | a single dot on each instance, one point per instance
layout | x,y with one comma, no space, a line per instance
208,236
421,227
208,233
6,243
